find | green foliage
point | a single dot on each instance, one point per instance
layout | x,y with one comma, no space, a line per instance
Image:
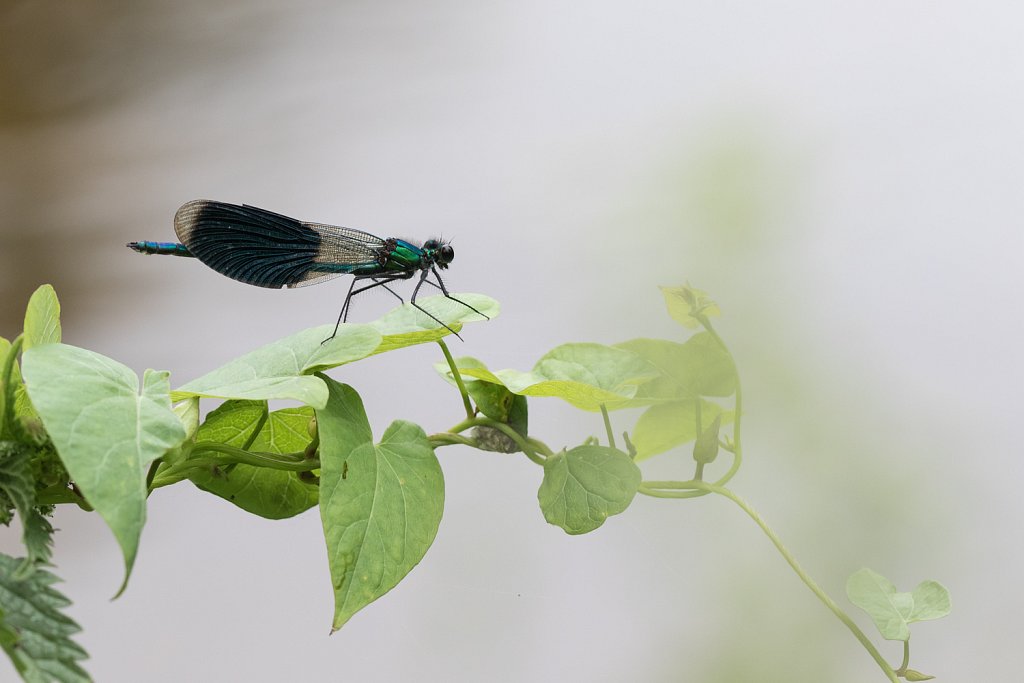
665,426
586,485
496,402
17,492
28,461
705,450
106,431
269,493
34,632
587,376
700,367
285,369
893,612
689,306
42,318
380,505
76,427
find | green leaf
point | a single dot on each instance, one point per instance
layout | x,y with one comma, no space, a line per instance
493,400
18,489
893,612
42,319
380,504
699,367
188,412
705,450
34,632
664,426
931,601
912,675
584,486
686,303
408,326
263,491
233,423
17,486
106,433
37,534
584,375
283,369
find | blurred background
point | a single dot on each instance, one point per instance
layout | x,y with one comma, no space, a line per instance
844,179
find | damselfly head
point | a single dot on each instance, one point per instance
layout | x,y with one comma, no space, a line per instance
442,252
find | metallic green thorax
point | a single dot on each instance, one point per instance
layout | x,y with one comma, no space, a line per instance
402,256
398,256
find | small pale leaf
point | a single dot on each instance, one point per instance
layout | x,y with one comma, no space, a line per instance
892,611
42,318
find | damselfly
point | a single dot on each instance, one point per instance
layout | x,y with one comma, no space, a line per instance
266,249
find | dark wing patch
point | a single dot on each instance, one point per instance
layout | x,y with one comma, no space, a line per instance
248,244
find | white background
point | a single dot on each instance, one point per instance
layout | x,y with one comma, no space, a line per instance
843,178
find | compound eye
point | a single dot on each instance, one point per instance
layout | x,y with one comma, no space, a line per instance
431,244
447,254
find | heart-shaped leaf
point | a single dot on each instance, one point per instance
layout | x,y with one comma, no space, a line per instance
380,504
584,486
106,432
892,611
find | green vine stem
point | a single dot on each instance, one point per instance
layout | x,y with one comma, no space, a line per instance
535,450
906,657
665,489
608,426
229,455
458,379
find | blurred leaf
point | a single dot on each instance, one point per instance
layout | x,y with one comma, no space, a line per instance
699,367
263,491
380,505
664,426
892,611
584,486
686,303
912,675
34,632
584,375
931,601
106,433
705,450
42,319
